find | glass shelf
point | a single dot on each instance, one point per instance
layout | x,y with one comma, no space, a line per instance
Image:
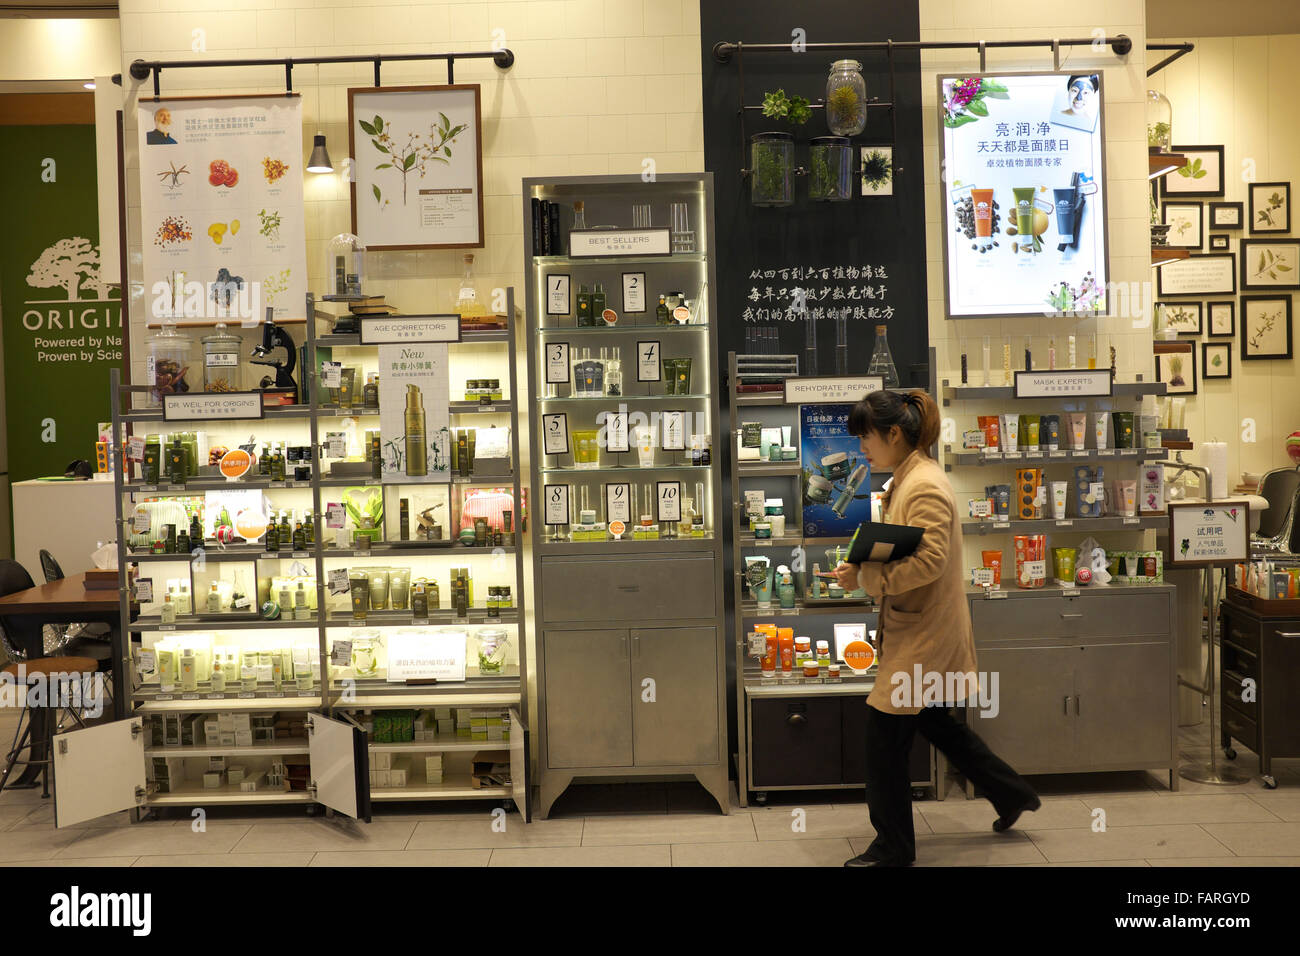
609,398
570,470
621,327
677,259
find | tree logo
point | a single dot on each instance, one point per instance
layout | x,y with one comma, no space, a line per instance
72,265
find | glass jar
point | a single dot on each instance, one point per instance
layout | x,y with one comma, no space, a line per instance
221,360
365,654
770,165
167,362
830,169
1160,118
846,98
492,646
344,265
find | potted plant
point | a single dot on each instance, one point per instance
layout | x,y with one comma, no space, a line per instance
1159,231
772,154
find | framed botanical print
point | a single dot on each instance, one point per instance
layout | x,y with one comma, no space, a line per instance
1270,207
1222,319
1216,360
1270,264
1226,215
1211,273
1265,327
1202,176
1176,366
1186,221
1220,243
1183,317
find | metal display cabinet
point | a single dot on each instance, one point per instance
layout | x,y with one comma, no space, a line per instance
796,734
631,663
1086,677
103,769
1260,643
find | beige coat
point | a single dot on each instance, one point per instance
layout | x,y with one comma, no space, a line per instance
924,617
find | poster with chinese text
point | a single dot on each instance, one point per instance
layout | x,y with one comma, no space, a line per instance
836,483
414,421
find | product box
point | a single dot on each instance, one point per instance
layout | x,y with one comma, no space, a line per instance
217,763
251,782
211,730
400,772
242,722
383,779
172,729
1151,489
235,775
446,727
212,779
243,738
442,713
490,768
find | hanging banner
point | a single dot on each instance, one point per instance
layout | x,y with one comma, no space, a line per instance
1024,194
62,319
221,208
836,476
414,421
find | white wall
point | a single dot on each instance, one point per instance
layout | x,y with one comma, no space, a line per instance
1234,91
58,49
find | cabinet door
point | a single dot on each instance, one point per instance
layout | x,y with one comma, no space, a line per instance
1279,707
795,742
854,746
675,718
1123,704
98,771
340,765
588,708
1033,726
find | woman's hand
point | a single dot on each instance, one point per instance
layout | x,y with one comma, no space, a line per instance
847,575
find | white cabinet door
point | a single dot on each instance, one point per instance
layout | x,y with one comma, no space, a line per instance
340,765
98,771
519,779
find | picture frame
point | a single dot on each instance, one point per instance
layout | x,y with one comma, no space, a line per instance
1272,264
423,144
1182,317
559,300
1227,215
1270,208
1216,360
876,170
1221,320
1220,243
1202,176
1176,366
1210,273
1186,222
1265,327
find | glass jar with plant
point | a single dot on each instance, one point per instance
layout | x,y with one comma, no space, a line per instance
770,169
846,98
830,169
1160,115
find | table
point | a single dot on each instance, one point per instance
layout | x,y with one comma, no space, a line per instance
65,601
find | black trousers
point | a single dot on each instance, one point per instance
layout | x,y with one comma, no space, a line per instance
889,788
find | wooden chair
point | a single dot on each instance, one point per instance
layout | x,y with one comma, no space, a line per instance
62,702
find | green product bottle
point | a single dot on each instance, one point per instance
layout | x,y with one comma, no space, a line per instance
272,537
176,462
196,530
286,531
598,305
376,459
309,529
299,537
182,542
264,461
151,467
585,316
661,312
277,464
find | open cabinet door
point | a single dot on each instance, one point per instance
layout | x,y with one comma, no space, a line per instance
519,779
340,766
98,771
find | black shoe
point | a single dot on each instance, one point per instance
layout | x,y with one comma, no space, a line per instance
1007,820
865,860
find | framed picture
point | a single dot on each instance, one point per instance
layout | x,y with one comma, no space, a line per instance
1186,222
1216,360
417,166
877,170
1222,319
1270,207
1265,327
1183,317
1219,243
1226,215
1270,264
1202,176
1213,273
1176,366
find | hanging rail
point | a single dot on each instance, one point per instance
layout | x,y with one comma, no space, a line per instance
141,69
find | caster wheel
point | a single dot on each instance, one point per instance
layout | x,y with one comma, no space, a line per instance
1230,753
508,806
918,793
760,798
1270,783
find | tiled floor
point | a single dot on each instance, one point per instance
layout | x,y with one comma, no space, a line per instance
1114,819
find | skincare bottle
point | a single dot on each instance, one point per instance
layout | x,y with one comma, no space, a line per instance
961,345
1073,355
585,314
988,358
845,499
182,541
218,676
376,457
272,536
785,591
214,600
264,461
471,440
150,468
303,674
614,373
462,452
1006,361
416,462
285,598
420,601
1092,351
277,464
301,611
1051,353
359,590
166,658
185,605
286,531
661,313
299,536
277,670
176,462
370,394
598,304
189,671
404,518
167,612
1029,353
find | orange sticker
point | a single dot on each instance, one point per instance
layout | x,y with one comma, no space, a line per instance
250,524
235,463
859,655
681,314
617,527
610,317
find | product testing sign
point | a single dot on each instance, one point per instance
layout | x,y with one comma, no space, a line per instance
1203,535
1024,194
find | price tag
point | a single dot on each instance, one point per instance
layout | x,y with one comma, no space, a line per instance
141,523
166,627
341,653
1132,521
331,374
290,483
135,448
241,603
1106,452
633,291
992,453
1011,454
669,494
216,697
165,697
673,427
189,696
148,487
1080,453
981,576
146,663
647,362
335,516
373,482
557,362
556,430
757,644
342,413
1004,518
557,504
338,581
992,595
1056,454
1064,523
557,295
618,502
246,695
616,433
275,693
1033,569
144,590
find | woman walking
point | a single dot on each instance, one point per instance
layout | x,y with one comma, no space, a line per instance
924,628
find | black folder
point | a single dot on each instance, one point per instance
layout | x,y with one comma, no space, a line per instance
877,541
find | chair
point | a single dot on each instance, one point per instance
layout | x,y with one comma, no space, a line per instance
71,638
63,701
51,567
1279,487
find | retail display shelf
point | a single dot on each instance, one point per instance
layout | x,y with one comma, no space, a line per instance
621,327
1073,525
850,686
1091,591
444,744
291,745
629,546
202,702
750,609
215,552
760,398
467,337
620,469
151,624
692,257
454,787
477,615
270,411
191,795
758,470
1160,164
1067,456
507,682
787,541
1162,254
196,486
976,393
414,551
615,399
437,695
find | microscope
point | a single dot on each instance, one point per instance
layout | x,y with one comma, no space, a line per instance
274,337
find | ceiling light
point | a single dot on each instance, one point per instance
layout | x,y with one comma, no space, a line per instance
89,84
320,157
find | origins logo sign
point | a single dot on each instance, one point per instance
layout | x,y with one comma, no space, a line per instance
85,323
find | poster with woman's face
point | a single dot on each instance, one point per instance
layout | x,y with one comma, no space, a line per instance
1079,103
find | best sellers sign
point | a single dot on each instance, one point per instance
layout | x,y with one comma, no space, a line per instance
1024,201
